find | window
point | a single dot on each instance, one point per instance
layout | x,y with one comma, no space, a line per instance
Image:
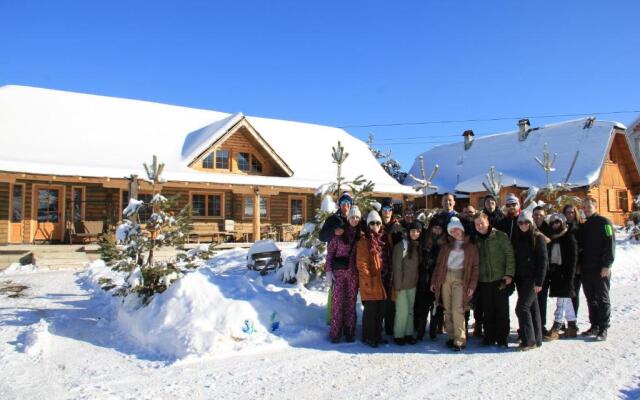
297,211
145,211
207,162
16,214
248,206
78,215
243,161
198,205
206,205
48,201
256,165
623,200
222,159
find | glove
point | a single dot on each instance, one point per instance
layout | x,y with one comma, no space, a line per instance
329,277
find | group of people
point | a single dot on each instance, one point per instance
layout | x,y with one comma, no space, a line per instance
414,278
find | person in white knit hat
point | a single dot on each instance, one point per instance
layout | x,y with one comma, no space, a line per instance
456,278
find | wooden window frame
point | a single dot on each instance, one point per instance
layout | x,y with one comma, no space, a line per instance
304,208
145,192
22,211
268,207
249,158
215,160
83,199
251,170
206,204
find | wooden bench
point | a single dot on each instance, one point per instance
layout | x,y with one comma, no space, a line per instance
202,230
86,231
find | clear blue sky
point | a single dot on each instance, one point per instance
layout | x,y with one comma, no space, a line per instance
339,63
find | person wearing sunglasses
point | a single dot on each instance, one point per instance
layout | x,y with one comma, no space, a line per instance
539,216
574,219
372,293
563,256
344,205
530,251
393,233
509,224
341,272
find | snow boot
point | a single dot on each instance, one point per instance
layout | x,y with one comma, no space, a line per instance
449,343
602,335
410,340
592,331
554,333
572,330
399,341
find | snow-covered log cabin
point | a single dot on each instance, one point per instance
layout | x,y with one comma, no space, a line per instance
67,161
594,156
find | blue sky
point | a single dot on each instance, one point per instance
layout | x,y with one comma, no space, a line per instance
339,63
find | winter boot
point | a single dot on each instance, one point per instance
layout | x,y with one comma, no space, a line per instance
433,326
410,340
399,341
572,330
602,335
449,343
592,331
524,347
554,333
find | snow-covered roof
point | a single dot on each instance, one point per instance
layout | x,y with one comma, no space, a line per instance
55,132
465,170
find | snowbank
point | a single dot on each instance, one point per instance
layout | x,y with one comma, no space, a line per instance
219,308
17,268
36,341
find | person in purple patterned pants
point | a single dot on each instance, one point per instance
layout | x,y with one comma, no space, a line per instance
340,269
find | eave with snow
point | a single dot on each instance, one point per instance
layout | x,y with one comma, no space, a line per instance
604,167
88,147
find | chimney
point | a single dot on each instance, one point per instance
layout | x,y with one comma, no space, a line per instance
468,139
523,129
589,122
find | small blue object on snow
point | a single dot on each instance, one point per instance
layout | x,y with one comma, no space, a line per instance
248,327
275,322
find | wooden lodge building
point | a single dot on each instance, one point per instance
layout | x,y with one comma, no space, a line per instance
604,165
68,161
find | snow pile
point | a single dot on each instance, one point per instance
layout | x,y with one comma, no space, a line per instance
219,308
36,341
625,268
17,268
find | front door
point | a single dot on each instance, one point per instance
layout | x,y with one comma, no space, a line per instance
17,214
49,220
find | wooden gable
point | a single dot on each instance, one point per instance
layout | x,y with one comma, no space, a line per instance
242,139
620,170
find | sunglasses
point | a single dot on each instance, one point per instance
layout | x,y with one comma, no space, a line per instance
387,208
375,223
344,202
510,205
523,222
557,221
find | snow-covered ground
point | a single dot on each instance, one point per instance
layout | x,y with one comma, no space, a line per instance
62,339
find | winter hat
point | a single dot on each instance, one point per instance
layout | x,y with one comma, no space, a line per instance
373,216
414,225
512,199
345,197
386,203
526,215
558,217
354,212
453,224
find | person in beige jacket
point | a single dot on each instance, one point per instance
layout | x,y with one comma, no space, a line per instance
407,256
456,278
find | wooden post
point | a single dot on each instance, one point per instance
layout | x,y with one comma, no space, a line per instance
256,214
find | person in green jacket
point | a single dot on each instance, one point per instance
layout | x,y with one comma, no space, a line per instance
497,268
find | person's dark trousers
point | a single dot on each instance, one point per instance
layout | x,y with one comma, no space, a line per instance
596,290
437,320
477,311
389,316
577,284
495,304
372,320
421,309
542,304
528,313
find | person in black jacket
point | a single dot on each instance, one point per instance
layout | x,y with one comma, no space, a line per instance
563,256
530,251
443,217
574,219
490,207
539,219
509,224
597,243
336,220
425,303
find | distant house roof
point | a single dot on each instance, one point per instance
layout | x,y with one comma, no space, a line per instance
465,170
63,133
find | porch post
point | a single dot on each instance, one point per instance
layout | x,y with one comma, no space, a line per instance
256,214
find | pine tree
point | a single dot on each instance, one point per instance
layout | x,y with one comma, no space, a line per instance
107,248
388,163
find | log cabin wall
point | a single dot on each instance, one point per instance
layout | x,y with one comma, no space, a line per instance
5,189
